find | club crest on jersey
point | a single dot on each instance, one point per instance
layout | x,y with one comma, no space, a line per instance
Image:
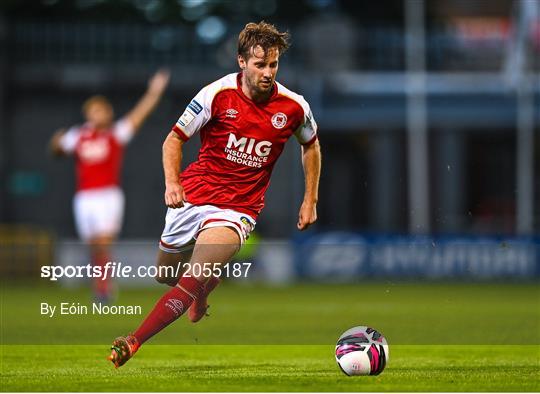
279,120
231,113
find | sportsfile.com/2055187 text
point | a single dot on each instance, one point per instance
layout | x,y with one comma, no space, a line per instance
120,270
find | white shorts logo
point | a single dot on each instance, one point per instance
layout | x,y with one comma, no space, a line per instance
279,120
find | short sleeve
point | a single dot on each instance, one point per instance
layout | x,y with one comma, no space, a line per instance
196,115
68,140
306,134
123,131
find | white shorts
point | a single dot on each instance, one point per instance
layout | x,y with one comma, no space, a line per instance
98,212
182,225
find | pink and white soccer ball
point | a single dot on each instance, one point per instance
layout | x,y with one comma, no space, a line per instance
362,351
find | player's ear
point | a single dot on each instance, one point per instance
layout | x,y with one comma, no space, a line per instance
241,62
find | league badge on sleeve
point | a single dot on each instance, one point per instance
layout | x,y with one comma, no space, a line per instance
192,110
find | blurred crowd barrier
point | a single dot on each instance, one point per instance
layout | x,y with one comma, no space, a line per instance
464,44
23,250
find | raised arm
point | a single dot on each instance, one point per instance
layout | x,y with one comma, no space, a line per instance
172,160
147,103
311,161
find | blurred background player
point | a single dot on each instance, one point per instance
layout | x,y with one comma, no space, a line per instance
244,120
97,146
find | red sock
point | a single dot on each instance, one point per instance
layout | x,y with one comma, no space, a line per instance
211,284
169,308
101,287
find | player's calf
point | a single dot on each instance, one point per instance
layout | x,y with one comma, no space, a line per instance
167,280
170,266
169,307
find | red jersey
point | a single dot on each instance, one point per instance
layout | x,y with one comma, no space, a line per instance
98,154
241,142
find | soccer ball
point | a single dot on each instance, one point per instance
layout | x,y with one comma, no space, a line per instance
362,351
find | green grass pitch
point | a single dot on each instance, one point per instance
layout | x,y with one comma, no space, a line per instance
443,337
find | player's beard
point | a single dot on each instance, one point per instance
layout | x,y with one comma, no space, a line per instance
261,88
258,90
265,87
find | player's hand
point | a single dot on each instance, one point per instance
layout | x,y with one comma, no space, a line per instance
159,81
307,215
54,145
174,195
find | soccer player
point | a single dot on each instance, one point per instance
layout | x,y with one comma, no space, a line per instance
244,120
98,147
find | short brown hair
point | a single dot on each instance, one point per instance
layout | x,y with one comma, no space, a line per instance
264,35
97,99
